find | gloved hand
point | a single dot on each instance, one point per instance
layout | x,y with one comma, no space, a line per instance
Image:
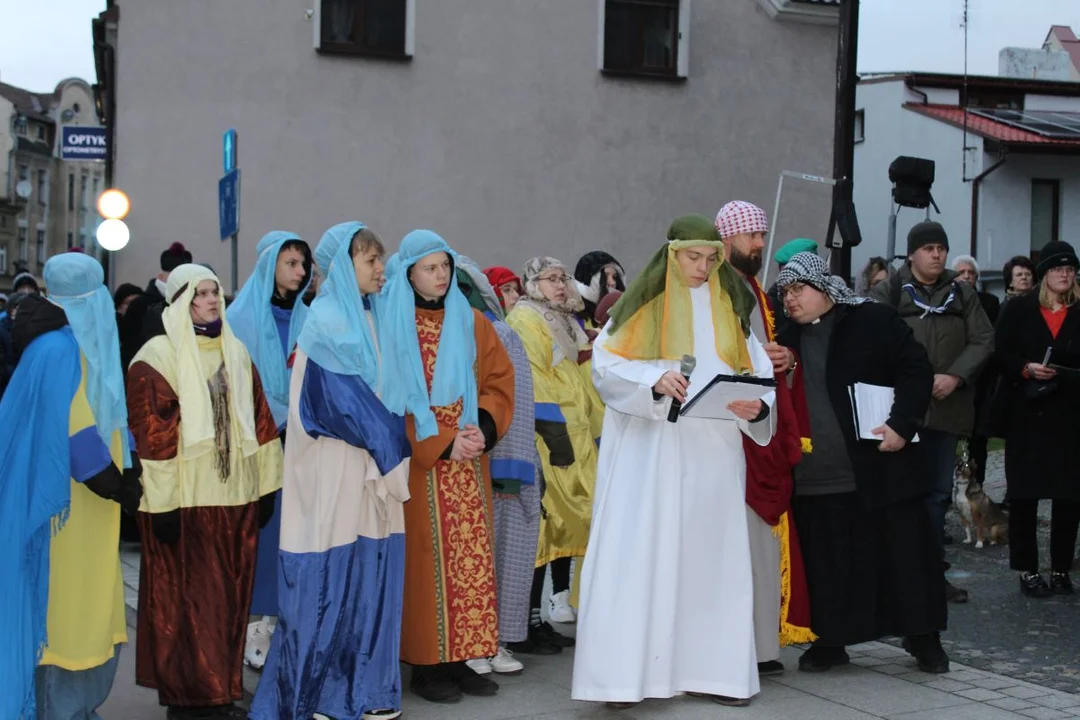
166,526
266,509
131,491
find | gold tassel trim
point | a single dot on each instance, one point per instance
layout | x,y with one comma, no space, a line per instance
789,634
807,446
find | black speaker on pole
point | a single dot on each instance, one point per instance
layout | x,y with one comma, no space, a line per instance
912,178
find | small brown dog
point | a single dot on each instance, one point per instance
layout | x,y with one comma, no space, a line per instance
976,509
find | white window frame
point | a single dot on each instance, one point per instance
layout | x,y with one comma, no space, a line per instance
813,13
410,27
682,59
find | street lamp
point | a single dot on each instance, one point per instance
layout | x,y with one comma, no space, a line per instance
113,204
113,234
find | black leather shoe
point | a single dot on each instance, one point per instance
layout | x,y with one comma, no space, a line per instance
471,683
770,667
954,594
546,633
820,658
536,643
1032,585
929,656
1061,584
433,683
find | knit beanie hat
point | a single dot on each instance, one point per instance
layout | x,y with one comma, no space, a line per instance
925,233
1057,254
174,257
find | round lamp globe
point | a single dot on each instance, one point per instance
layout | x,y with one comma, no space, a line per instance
113,204
113,234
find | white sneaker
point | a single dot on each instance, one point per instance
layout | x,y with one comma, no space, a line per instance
480,666
258,644
505,662
386,714
559,609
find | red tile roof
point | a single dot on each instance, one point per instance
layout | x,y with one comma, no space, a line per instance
990,129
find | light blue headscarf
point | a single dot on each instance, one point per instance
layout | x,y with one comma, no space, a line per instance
337,335
455,376
76,283
251,318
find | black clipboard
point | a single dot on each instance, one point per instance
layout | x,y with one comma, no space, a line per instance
752,380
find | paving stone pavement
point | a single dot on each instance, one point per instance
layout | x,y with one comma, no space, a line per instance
881,682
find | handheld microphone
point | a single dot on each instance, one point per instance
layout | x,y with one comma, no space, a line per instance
689,362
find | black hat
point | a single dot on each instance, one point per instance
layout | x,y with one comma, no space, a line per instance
1057,254
925,233
25,280
174,257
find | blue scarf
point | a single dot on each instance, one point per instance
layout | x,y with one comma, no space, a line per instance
35,495
455,374
251,318
76,283
337,335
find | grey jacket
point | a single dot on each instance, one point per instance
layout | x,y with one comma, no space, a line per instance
959,341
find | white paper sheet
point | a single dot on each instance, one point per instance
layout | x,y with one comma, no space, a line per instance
711,403
871,405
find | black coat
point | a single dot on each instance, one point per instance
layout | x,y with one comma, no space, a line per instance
141,322
871,344
1042,451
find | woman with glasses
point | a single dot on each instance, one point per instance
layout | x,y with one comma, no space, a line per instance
556,345
1038,353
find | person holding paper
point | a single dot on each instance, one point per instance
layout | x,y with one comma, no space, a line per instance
870,547
667,596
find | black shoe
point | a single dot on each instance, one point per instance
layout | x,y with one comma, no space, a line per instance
947,539
195,713
1032,585
470,683
954,594
1061,584
929,656
433,683
770,667
820,658
536,643
545,632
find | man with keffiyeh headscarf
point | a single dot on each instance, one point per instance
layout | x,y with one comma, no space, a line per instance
61,590
781,609
455,384
555,343
869,544
342,525
211,465
267,316
667,590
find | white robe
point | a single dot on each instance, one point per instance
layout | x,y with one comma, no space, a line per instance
667,598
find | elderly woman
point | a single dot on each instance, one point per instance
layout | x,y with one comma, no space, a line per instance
554,341
666,593
1038,341
211,465
872,564
1019,275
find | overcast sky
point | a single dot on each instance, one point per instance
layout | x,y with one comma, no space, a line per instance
45,41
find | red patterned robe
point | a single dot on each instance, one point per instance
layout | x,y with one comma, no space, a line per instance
450,609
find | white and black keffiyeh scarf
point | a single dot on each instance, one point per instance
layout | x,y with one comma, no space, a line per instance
810,269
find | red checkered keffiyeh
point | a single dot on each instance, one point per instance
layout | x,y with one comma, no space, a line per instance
740,216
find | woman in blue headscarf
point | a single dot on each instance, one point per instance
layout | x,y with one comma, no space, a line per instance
61,491
341,561
267,316
455,384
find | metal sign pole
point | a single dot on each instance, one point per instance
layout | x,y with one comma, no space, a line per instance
776,214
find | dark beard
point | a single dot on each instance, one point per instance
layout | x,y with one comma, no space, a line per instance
747,265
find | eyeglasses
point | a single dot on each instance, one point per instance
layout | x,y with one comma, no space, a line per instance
793,290
555,279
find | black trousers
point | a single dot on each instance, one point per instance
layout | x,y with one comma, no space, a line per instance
1024,539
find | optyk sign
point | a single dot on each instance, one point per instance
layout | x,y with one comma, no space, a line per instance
80,142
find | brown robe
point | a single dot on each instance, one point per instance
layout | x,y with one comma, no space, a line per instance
450,611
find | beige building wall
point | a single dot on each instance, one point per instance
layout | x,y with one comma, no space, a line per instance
72,220
501,134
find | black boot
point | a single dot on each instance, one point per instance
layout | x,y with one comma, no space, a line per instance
929,656
469,682
820,658
1060,583
433,683
1033,585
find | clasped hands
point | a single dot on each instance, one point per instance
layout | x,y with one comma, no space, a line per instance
468,444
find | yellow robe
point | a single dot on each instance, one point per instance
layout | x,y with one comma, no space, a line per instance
568,495
86,589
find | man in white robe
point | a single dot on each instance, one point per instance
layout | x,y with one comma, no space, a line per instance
667,596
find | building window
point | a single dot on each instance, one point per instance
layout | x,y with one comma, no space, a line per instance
24,251
40,242
645,37
71,239
859,129
41,132
3,261
71,192
94,191
1045,214
20,125
43,187
24,172
365,27
82,193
